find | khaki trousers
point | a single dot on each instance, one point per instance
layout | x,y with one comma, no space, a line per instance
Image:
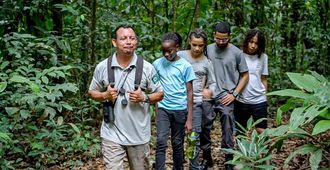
114,155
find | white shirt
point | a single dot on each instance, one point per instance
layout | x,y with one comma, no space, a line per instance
254,91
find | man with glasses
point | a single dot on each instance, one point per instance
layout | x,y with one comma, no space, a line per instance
231,73
129,133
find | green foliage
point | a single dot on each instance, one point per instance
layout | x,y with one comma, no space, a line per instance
252,148
48,50
311,106
34,105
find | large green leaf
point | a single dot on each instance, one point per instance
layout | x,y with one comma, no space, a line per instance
11,110
302,150
321,126
290,93
284,108
75,128
3,86
325,113
304,81
4,138
19,79
315,159
296,118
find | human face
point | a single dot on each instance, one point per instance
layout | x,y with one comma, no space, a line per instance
221,39
253,45
126,41
197,46
169,49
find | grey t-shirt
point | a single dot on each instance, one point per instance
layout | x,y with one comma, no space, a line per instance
132,122
254,91
228,63
204,72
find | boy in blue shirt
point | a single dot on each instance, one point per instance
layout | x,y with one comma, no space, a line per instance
175,110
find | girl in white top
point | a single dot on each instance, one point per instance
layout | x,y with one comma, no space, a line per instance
252,101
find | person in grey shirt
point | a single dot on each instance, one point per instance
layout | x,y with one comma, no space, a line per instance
231,74
129,134
204,85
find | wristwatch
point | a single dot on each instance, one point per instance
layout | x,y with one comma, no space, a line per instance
235,94
146,99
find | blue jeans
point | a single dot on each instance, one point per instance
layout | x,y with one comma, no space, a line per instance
175,121
197,128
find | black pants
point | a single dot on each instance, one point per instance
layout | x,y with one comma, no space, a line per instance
227,127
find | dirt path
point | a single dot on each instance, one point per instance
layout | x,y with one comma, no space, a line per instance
301,162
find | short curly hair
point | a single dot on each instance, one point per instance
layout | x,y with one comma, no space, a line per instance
172,36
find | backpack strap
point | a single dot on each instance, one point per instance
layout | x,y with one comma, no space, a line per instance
111,73
138,72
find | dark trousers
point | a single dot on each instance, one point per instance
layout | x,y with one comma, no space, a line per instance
227,127
208,116
173,120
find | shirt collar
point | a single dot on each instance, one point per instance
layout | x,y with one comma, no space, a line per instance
132,64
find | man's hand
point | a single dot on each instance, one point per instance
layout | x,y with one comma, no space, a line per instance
228,99
111,94
136,96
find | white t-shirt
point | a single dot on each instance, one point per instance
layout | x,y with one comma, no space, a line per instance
254,91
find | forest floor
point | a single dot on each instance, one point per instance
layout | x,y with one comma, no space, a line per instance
301,162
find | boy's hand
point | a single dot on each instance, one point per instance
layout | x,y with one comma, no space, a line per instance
229,98
188,126
111,94
207,94
136,96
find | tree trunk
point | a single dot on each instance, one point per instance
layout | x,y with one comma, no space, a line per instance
174,15
166,15
197,14
57,17
93,30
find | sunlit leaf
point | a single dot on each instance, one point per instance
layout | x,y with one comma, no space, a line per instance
315,159
45,79
290,93
3,86
11,110
60,120
75,128
24,113
19,79
321,126
304,81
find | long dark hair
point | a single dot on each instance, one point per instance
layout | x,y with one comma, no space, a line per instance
261,41
198,33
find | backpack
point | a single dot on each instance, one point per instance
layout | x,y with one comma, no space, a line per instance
109,116
138,72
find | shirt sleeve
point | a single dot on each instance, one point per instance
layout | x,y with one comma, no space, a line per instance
154,81
96,83
189,73
265,65
242,66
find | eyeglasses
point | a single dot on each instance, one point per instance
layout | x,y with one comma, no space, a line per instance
221,40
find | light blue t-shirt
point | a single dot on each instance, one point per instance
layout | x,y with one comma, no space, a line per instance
173,77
